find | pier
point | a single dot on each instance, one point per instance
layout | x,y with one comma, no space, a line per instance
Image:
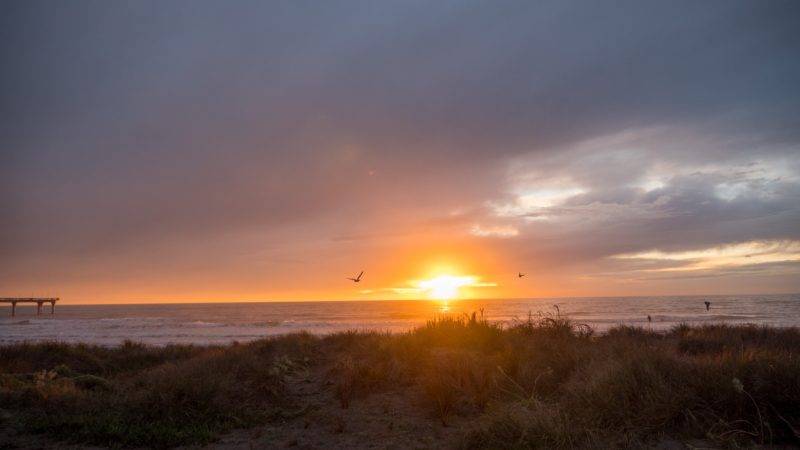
39,302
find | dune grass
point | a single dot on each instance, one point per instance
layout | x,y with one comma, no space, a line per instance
542,382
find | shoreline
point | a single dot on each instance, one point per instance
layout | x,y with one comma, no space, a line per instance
664,331
204,324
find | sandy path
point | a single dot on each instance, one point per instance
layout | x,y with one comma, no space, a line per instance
388,420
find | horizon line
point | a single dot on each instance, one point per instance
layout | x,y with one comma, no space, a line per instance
134,303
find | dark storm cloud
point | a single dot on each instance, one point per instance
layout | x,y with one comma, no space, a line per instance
136,122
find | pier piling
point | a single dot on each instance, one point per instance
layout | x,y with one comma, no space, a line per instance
39,302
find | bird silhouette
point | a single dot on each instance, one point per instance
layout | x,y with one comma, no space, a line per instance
358,278
708,304
520,274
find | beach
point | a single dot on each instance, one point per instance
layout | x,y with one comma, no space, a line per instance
400,225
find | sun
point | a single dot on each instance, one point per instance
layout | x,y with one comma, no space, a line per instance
445,287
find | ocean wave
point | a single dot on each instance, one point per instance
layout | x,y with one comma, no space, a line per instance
268,323
205,324
200,323
129,319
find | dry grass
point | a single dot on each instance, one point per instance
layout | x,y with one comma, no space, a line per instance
167,401
543,382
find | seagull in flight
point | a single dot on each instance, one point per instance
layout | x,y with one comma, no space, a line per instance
520,275
358,278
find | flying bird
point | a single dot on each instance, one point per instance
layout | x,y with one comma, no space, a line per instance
520,275
358,278
708,304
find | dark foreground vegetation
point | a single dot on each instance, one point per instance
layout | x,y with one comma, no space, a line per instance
542,383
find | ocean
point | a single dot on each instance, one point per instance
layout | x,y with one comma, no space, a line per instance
219,323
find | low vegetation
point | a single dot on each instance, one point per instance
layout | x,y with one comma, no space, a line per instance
540,383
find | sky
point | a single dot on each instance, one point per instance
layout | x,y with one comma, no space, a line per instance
215,151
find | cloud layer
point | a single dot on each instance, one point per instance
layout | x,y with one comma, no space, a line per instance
147,146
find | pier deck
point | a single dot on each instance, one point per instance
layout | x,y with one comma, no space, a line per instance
39,302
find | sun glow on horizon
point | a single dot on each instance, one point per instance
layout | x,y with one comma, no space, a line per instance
440,279
445,287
